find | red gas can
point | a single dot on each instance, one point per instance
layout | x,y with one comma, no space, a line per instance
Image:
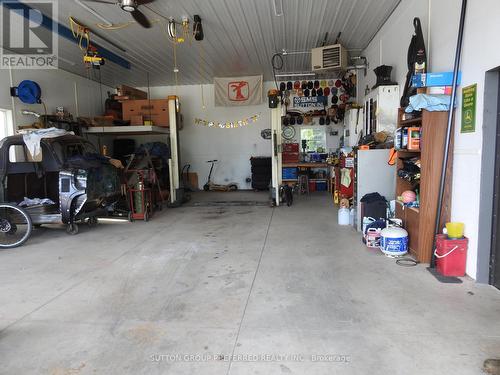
451,255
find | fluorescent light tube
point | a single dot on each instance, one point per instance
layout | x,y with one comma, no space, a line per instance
92,11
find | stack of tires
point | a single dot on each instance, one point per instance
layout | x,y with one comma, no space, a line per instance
261,172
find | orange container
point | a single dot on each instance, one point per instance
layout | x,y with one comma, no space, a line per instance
414,138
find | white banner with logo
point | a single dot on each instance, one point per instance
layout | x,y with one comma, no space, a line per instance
238,91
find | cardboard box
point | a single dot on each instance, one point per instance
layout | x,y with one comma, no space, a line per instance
155,110
136,120
434,79
131,93
439,90
102,121
192,178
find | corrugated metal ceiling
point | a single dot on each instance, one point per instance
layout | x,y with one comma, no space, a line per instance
240,37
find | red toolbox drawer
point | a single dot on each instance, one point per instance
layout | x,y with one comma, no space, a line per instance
290,157
290,147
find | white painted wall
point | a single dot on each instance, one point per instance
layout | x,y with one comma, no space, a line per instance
479,55
80,96
390,45
232,147
482,28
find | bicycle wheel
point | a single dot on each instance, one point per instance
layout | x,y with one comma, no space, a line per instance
15,226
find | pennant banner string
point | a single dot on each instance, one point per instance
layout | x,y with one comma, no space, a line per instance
227,124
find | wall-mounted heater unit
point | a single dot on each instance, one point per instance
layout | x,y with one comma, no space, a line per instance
332,57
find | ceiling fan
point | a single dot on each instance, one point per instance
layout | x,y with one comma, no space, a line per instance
130,6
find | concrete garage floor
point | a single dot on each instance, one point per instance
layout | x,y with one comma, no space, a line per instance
239,197
248,281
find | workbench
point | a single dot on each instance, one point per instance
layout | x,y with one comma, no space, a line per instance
303,165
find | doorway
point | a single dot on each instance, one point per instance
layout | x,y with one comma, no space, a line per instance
6,123
495,248
488,260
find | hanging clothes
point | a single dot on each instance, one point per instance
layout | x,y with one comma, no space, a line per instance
32,139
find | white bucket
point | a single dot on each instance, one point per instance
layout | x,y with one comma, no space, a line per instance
344,216
394,241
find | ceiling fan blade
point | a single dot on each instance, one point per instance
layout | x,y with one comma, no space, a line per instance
141,19
141,2
101,2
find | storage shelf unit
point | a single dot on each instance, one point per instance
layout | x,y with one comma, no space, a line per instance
305,165
419,222
128,130
311,179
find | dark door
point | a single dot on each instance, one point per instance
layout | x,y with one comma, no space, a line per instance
495,248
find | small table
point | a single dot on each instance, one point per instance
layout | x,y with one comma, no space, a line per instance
303,165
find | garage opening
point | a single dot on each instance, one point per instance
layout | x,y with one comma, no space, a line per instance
489,254
249,187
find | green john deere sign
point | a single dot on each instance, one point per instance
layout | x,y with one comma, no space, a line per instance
469,109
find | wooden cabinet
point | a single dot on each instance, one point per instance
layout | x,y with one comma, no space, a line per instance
380,109
419,222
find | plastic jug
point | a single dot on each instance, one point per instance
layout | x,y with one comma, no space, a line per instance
344,216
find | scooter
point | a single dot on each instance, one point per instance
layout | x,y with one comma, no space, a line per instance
210,186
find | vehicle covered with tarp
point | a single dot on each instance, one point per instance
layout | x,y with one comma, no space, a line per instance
55,178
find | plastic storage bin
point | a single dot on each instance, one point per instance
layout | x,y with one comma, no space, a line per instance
289,173
321,185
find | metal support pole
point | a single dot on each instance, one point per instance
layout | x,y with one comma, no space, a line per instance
456,67
174,150
276,152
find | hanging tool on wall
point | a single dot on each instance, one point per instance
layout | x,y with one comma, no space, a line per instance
176,35
91,57
417,61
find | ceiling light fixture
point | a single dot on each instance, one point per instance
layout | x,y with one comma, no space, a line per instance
128,5
93,12
284,52
278,7
305,74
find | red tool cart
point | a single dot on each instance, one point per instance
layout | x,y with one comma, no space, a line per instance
141,181
140,199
